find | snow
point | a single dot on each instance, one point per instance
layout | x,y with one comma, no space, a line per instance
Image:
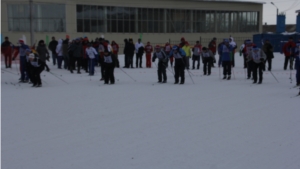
212,124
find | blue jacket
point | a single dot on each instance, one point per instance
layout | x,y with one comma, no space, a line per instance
297,56
180,51
225,52
22,49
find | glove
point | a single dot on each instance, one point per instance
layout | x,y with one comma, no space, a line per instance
214,60
48,70
261,59
13,58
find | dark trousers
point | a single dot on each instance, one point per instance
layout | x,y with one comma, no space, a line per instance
75,60
54,57
102,68
179,70
139,60
196,59
161,71
91,66
245,60
130,60
126,62
109,73
85,64
297,67
66,62
7,60
23,66
207,64
232,59
259,67
287,60
226,68
59,61
36,75
249,68
269,61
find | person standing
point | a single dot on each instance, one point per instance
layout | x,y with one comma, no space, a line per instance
130,52
65,47
268,49
52,47
139,50
126,57
109,64
59,53
213,48
23,50
43,53
148,51
167,50
7,50
196,54
258,57
162,64
249,63
115,48
187,49
225,51
179,56
76,49
101,57
37,66
207,57
234,46
91,55
288,49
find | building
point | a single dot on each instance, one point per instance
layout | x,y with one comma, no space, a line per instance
156,21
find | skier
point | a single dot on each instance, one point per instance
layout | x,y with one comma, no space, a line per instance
109,65
7,50
162,64
187,49
22,50
43,53
115,48
126,57
225,52
77,52
258,57
91,54
197,49
148,51
249,63
179,67
66,59
59,53
233,44
288,49
52,47
37,66
268,49
167,50
139,50
207,57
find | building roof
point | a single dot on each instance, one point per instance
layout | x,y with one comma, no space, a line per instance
236,1
272,28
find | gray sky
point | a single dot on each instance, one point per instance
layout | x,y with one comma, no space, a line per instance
269,15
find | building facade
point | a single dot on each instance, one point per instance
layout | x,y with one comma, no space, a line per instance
156,21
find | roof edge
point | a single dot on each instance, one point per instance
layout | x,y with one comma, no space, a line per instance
236,1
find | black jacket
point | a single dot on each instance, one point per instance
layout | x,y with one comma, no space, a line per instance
52,45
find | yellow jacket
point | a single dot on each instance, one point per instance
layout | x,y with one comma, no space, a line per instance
187,50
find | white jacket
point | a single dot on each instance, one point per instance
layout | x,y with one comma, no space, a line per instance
59,50
91,52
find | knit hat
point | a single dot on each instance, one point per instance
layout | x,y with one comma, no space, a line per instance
31,56
21,41
157,47
175,47
226,40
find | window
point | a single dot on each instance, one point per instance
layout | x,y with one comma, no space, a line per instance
46,17
153,20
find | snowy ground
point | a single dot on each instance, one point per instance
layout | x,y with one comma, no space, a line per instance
212,124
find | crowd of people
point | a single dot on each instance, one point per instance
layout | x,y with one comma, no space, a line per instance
82,54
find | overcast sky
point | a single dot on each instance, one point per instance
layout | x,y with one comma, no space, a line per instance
289,6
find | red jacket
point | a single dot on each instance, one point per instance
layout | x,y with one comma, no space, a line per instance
148,49
7,48
288,48
213,47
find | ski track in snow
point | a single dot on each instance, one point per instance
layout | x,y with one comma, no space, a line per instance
212,124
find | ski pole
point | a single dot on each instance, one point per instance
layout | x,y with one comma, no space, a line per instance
274,76
127,74
58,77
233,73
191,76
